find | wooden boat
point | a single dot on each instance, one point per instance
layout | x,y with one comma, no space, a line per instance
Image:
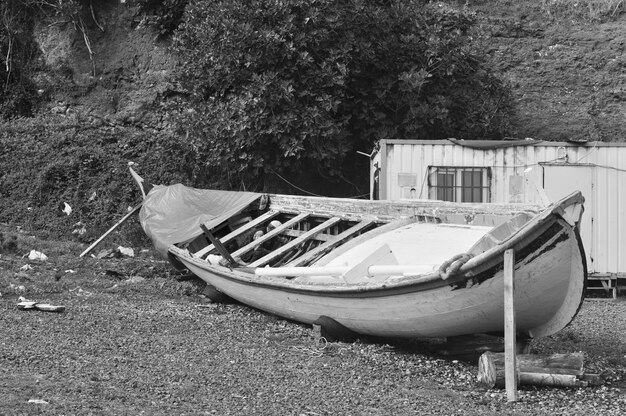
380,268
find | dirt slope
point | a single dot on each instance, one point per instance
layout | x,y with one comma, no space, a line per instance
567,75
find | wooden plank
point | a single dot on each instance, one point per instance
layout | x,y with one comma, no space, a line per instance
338,239
246,227
218,244
297,233
270,235
294,243
510,367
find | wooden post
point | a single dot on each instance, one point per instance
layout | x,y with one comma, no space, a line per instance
510,367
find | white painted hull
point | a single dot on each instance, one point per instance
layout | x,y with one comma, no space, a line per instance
549,286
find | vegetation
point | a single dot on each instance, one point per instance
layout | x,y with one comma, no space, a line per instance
291,88
164,15
18,52
56,160
300,85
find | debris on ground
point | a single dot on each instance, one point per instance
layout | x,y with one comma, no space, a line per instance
67,209
37,255
79,229
135,279
125,251
107,254
31,304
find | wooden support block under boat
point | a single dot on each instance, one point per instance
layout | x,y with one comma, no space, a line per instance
473,346
331,330
545,370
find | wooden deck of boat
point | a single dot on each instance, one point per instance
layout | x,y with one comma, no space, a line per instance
322,231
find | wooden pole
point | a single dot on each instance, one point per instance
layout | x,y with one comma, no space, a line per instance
117,224
510,367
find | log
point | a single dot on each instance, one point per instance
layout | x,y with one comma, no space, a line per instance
533,369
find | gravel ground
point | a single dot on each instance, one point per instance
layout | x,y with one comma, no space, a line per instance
154,345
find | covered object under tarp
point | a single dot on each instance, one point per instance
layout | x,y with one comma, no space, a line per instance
173,214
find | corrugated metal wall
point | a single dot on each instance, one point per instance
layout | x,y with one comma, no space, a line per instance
407,162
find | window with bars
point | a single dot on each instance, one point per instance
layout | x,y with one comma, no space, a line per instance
459,184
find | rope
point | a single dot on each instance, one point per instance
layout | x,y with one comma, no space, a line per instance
452,266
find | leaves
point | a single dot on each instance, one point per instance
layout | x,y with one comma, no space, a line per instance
294,85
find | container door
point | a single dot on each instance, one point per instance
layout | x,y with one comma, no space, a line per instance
560,181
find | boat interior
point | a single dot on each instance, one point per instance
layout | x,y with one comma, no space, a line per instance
277,235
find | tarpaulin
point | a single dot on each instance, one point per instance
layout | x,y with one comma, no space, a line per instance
173,214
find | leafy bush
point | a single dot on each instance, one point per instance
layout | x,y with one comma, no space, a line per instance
295,86
164,15
57,160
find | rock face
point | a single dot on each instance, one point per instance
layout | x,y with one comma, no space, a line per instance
567,75
121,79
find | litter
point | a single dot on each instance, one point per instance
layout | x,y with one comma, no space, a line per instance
67,209
106,254
125,251
37,401
17,288
135,279
26,267
31,304
79,228
37,255
80,292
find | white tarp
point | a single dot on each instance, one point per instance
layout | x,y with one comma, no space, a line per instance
173,214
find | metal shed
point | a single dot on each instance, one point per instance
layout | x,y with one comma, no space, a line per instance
511,171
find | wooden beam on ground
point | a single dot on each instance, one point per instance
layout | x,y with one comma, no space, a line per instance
117,224
246,227
510,366
295,242
271,234
335,241
534,369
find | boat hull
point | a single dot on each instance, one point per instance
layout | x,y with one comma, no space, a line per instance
549,286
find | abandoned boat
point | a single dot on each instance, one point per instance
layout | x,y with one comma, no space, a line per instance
379,268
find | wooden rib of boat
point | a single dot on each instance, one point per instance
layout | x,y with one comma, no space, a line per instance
380,268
